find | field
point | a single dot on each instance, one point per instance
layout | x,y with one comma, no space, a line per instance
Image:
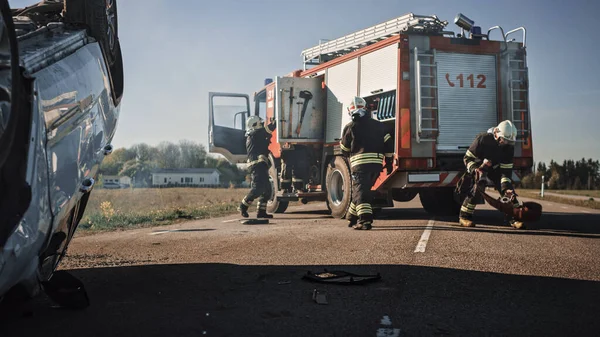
128,208
535,194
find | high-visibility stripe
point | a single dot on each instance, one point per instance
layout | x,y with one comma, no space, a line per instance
471,206
387,137
352,209
261,158
247,204
505,180
268,130
361,206
286,180
470,154
344,148
470,166
506,166
366,158
466,210
388,155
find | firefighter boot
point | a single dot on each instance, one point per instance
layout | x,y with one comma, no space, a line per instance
243,210
508,220
262,214
464,222
352,220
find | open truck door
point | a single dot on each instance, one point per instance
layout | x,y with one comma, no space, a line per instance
227,125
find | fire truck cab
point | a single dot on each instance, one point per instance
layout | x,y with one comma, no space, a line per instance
433,89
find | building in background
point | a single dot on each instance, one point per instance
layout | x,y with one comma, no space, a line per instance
116,181
192,177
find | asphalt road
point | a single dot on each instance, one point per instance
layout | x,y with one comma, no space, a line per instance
221,278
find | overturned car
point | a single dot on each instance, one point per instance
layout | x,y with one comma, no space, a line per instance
61,83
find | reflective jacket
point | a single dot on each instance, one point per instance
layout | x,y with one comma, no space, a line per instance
365,141
485,146
257,145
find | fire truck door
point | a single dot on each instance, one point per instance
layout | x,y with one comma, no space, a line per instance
227,124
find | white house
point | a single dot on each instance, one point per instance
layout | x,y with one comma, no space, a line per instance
186,177
116,181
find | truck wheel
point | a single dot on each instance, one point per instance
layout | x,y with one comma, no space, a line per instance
339,187
403,195
274,205
439,201
100,16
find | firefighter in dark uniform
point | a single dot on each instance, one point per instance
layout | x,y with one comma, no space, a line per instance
365,141
490,157
258,137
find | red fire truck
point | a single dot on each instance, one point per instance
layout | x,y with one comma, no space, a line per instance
433,89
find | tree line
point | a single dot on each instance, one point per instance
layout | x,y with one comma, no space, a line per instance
571,175
139,160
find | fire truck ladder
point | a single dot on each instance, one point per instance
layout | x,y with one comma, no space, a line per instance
410,22
519,95
426,86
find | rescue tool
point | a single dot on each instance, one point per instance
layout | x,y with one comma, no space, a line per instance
306,96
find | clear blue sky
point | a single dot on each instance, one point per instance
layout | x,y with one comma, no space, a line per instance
176,51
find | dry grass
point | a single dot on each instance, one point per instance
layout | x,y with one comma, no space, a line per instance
126,208
575,202
586,193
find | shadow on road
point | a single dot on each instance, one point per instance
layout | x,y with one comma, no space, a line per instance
550,224
236,300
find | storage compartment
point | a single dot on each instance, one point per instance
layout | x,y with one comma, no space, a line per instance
379,71
342,85
299,110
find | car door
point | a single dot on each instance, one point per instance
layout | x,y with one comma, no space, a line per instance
227,125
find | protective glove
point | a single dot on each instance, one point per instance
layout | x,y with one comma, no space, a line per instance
388,166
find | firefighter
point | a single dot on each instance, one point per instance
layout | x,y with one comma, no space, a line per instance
490,157
365,141
258,137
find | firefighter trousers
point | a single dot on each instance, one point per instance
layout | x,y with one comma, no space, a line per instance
468,206
259,188
363,178
294,169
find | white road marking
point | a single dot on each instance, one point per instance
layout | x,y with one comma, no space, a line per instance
232,220
386,320
157,233
387,330
425,237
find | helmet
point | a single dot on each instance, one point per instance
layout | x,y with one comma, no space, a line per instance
356,103
507,131
254,123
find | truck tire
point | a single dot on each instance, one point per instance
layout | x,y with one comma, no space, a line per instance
339,187
439,201
100,17
403,195
274,205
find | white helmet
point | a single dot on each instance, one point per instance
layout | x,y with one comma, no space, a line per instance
254,123
506,130
357,103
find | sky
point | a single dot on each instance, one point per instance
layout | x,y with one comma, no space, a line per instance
176,51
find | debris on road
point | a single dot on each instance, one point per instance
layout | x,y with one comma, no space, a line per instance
340,277
254,221
320,297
